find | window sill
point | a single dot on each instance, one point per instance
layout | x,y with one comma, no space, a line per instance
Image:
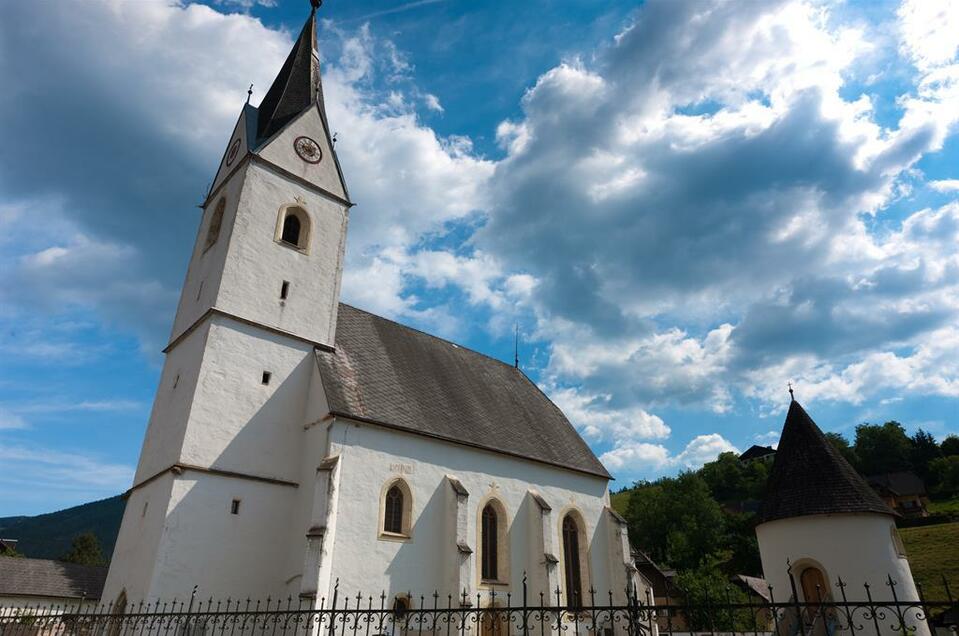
493,582
291,246
393,536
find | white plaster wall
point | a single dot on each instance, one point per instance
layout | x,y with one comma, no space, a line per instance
371,455
855,547
223,554
280,151
203,277
257,264
136,551
172,405
16,605
239,133
239,424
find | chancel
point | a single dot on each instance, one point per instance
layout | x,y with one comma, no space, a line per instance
296,441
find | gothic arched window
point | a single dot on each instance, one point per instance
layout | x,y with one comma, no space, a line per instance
571,562
396,506
393,514
216,222
291,230
489,543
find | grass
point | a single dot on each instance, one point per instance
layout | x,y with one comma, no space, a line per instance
944,506
933,551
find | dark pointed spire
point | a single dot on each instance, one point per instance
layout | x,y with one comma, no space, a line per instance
296,87
810,477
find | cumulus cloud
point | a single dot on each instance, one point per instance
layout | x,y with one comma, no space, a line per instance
643,458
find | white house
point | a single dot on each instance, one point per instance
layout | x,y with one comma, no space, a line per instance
296,441
822,523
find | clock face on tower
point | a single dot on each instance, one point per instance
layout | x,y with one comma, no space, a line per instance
308,150
234,149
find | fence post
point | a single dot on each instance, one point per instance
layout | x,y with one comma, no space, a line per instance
796,605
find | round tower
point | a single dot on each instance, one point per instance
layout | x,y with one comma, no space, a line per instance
824,532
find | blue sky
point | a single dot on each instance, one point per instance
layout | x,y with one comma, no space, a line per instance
683,205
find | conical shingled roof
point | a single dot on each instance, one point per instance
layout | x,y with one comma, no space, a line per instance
295,88
810,477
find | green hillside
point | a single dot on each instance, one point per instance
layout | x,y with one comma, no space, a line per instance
933,552
49,536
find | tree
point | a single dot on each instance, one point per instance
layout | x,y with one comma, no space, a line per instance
950,445
840,444
85,550
883,449
704,587
924,450
944,474
676,520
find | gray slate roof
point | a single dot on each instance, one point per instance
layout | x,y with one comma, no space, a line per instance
810,477
46,578
390,374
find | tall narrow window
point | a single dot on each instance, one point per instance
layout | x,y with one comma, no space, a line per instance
291,230
393,517
216,221
284,290
571,555
489,541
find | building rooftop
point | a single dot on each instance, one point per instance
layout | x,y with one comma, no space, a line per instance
396,376
20,576
810,477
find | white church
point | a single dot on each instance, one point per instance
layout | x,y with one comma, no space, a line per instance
296,441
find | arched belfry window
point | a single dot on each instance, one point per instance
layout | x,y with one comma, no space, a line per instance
396,510
216,222
493,542
291,230
572,561
293,227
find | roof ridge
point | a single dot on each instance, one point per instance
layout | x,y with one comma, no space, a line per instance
435,337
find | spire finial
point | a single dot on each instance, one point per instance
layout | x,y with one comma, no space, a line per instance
316,4
792,397
516,346
249,93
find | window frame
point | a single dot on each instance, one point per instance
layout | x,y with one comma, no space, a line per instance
306,227
407,511
502,541
585,572
215,226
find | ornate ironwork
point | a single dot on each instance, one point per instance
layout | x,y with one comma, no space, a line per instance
495,614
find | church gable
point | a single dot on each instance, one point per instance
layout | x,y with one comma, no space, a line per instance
303,148
238,146
387,373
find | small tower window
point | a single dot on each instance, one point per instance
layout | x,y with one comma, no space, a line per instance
293,227
266,377
235,507
216,222
291,230
393,517
284,290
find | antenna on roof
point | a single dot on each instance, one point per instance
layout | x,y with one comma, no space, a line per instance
791,396
249,93
516,345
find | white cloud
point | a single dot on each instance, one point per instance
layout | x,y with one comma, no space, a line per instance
945,185
641,458
11,421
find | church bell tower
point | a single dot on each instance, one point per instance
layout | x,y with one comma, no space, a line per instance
221,462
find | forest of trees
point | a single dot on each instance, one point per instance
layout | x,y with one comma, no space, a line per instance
702,523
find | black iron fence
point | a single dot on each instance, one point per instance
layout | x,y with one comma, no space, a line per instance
502,614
